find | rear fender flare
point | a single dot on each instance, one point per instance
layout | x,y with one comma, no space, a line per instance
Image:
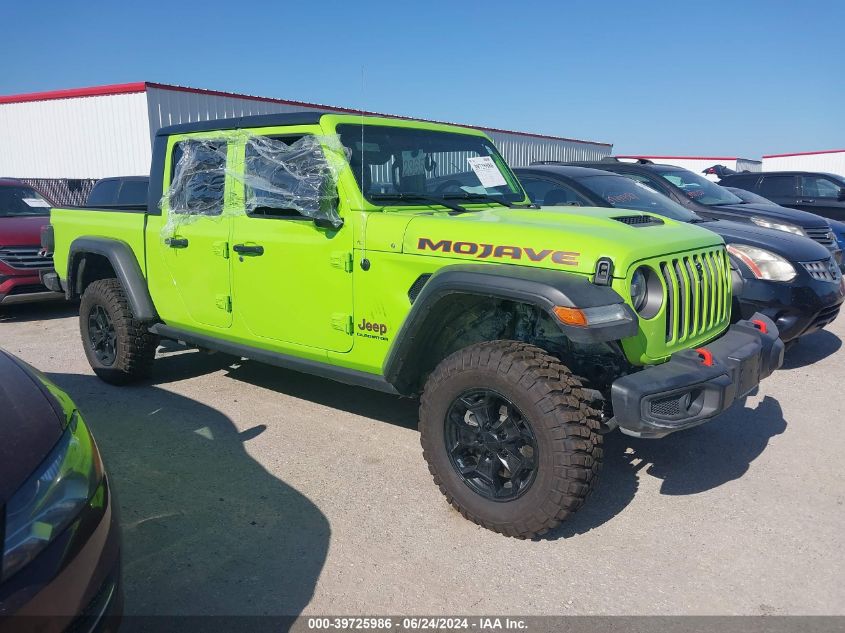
126,269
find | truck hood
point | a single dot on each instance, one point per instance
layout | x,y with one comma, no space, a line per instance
564,238
24,230
795,248
776,212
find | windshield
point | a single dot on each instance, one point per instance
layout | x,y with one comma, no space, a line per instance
389,160
625,193
16,200
697,187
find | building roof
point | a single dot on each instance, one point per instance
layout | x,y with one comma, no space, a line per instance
825,151
682,157
143,86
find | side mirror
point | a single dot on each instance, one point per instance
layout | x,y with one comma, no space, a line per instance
841,197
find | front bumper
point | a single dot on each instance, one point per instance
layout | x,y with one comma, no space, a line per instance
24,287
800,307
694,386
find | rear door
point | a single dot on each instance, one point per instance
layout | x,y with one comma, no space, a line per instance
192,242
822,195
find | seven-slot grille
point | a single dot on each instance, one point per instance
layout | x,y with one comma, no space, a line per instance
822,270
24,257
698,293
822,235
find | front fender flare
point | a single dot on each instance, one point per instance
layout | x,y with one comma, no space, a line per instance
540,287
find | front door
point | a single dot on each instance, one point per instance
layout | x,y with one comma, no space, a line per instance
823,196
291,258
193,239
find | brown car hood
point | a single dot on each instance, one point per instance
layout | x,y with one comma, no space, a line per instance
31,423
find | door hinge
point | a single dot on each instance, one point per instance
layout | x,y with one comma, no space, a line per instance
224,302
342,260
221,249
343,322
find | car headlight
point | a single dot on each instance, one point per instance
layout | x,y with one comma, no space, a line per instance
52,497
778,226
763,264
646,292
639,289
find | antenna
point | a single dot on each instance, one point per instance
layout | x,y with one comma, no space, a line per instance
361,181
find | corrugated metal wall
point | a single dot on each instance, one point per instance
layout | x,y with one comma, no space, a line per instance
830,162
80,137
110,135
519,150
168,107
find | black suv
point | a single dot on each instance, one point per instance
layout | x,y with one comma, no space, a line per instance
790,279
711,201
817,192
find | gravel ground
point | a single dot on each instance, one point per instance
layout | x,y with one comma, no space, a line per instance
247,489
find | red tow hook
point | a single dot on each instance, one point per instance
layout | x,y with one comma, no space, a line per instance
706,356
761,325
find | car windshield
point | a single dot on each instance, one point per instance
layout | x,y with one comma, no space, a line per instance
407,162
625,193
17,200
747,196
697,187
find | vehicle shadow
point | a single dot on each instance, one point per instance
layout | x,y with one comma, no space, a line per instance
206,529
384,407
687,463
811,349
40,311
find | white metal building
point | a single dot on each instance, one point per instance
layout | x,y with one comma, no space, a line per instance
698,164
830,161
80,135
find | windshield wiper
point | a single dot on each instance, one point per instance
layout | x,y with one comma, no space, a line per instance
480,197
418,196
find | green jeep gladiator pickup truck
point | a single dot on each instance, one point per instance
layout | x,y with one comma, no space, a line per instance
405,257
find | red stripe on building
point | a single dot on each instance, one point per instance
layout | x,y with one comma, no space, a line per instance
828,151
92,91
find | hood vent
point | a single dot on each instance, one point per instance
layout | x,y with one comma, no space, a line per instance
639,220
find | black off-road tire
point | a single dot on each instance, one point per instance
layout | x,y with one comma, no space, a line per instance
560,412
135,346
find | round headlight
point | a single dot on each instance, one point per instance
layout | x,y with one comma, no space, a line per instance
646,292
639,289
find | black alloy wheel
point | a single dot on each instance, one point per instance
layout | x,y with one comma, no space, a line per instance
102,335
491,445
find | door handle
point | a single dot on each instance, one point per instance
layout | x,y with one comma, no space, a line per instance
176,242
806,201
243,249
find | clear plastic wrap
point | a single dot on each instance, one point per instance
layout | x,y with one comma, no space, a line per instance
300,176
279,178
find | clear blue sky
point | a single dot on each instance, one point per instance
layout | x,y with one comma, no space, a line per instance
669,77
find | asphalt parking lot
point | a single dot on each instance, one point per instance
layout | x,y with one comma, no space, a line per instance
247,489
